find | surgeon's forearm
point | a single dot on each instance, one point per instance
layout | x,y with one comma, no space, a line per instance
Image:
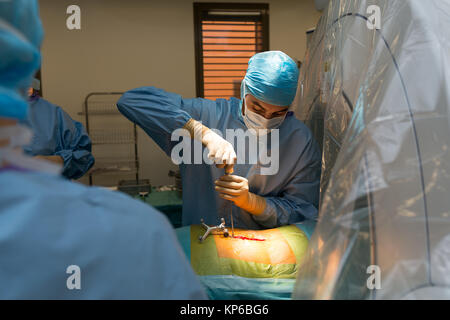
55,159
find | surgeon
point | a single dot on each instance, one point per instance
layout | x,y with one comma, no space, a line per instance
256,200
57,137
63,240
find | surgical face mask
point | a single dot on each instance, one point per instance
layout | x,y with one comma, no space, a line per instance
17,136
259,123
12,155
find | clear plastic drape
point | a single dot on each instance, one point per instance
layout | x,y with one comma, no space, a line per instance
377,101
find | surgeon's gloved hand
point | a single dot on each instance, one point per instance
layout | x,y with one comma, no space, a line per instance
220,150
235,188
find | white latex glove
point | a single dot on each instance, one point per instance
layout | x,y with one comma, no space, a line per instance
220,150
236,189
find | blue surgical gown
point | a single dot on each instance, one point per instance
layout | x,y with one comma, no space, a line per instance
292,194
124,248
56,133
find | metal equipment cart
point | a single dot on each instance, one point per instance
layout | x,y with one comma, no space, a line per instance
114,140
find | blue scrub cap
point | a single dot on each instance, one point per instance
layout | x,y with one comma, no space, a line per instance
20,37
272,77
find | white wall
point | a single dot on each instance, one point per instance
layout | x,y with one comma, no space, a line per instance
126,44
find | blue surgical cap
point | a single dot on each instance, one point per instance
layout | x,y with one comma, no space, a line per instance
272,77
20,37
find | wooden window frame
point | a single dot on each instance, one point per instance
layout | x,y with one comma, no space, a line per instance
201,10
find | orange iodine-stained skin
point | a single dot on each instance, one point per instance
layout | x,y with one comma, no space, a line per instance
259,246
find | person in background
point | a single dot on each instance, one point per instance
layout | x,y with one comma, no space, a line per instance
57,137
64,240
260,201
